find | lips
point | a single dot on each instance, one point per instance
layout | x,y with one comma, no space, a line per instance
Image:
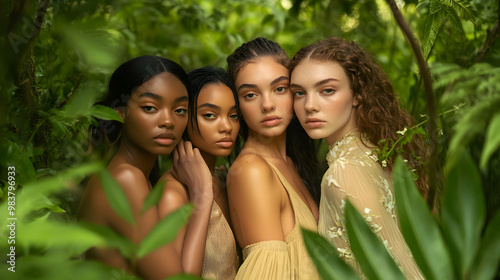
165,138
314,122
271,121
225,142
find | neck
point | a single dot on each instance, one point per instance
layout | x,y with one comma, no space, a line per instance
135,156
209,160
274,146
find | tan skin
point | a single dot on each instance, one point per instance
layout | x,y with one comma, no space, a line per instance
219,126
259,205
154,120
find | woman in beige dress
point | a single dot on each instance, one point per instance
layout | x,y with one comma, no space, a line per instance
268,199
212,129
341,95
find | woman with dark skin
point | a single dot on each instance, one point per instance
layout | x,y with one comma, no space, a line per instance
268,199
213,128
343,96
151,95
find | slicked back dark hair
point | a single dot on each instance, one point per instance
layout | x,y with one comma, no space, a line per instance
299,147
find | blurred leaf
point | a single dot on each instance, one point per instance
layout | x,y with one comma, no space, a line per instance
154,196
492,142
463,212
419,229
325,257
486,263
372,255
51,234
105,113
116,196
112,238
432,26
165,231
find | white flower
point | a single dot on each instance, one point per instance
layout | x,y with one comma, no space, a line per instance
384,163
367,210
440,131
402,132
405,160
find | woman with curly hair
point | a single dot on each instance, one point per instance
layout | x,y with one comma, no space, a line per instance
343,96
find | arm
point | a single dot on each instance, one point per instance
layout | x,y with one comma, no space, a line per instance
159,263
190,168
370,190
254,201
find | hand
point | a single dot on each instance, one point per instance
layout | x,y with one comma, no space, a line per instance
189,167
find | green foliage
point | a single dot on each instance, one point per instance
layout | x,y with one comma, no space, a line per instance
116,196
372,255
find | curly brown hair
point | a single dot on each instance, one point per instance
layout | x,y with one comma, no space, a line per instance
379,114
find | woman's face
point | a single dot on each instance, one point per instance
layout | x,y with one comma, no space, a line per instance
323,100
265,100
217,119
156,114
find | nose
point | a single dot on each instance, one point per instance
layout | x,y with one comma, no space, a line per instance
166,119
268,103
311,104
225,126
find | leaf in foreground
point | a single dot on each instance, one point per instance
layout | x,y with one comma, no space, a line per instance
116,196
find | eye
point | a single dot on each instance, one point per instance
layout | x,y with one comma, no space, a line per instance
234,116
328,91
148,109
209,116
281,89
249,96
180,111
299,93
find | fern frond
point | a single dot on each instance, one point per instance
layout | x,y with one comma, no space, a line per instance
434,6
461,7
420,2
454,20
432,26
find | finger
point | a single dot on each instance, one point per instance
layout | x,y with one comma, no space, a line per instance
181,149
188,148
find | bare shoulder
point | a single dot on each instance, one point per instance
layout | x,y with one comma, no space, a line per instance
174,194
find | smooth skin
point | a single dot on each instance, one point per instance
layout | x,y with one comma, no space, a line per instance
259,205
219,126
154,120
324,102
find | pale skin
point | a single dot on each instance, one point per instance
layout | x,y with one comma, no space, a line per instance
259,205
154,120
218,123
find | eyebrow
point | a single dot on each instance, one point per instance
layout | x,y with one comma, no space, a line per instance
322,82
275,81
151,95
181,99
213,106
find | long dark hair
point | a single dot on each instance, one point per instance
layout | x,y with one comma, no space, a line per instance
379,114
124,81
299,147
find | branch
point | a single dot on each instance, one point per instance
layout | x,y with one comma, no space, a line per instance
491,38
431,104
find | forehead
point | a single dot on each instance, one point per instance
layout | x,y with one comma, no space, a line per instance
261,71
312,70
166,85
217,94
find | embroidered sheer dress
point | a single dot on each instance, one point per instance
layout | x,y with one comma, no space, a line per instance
221,258
287,259
355,174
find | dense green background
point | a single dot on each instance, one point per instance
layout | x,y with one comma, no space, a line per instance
57,56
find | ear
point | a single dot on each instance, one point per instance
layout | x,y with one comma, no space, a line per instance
122,111
355,101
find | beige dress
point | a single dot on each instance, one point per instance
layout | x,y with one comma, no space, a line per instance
354,173
282,259
221,258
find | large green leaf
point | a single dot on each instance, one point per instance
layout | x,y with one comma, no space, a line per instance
113,239
165,231
116,196
372,255
184,277
492,142
419,229
105,113
325,257
486,263
154,196
464,210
